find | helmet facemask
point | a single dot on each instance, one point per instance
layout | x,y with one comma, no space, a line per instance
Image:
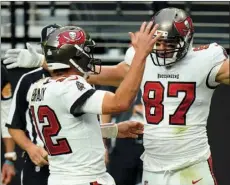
85,62
88,48
175,49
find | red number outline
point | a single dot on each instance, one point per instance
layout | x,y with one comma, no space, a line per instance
52,129
185,104
179,116
158,115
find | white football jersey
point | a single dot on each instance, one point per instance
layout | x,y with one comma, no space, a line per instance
71,134
177,101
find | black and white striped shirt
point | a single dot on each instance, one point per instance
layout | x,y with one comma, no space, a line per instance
19,115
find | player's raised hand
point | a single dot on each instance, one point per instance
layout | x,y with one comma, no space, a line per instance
129,129
144,40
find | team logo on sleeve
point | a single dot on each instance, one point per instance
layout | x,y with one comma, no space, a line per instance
80,86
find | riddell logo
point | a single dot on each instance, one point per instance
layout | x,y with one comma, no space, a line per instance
194,182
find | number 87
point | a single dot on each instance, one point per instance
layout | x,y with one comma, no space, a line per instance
153,98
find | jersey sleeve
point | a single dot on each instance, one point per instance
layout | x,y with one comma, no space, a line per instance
19,105
76,92
219,55
94,103
129,55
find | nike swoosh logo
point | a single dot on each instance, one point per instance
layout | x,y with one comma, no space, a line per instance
194,182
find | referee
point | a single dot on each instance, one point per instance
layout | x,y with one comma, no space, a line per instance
35,169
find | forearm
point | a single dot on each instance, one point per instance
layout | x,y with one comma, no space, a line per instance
130,86
106,118
223,75
20,138
109,75
9,144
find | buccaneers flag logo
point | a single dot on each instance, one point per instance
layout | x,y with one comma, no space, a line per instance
71,37
184,26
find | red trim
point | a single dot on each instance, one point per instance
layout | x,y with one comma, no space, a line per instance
211,169
94,183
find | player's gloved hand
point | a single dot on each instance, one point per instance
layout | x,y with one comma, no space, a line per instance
26,58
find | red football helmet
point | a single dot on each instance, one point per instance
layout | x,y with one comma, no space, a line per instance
70,45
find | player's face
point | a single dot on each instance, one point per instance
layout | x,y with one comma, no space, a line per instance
163,46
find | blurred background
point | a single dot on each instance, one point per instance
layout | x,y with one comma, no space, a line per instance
108,23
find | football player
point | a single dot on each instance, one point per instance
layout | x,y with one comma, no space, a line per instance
177,87
64,106
35,168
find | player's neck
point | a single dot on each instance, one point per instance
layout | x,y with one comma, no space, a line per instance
65,73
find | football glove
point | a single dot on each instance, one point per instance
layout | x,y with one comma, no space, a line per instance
26,58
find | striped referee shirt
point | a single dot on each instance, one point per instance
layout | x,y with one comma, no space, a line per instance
19,115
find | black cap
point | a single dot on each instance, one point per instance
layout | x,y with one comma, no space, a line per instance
47,30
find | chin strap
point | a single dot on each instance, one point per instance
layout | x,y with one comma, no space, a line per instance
77,66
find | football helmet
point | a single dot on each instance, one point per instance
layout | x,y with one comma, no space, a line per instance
177,34
71,45
46,31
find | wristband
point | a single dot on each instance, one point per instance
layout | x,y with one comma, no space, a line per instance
11,163
11,155
109,130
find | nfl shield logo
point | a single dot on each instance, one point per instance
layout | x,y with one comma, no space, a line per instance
49,30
